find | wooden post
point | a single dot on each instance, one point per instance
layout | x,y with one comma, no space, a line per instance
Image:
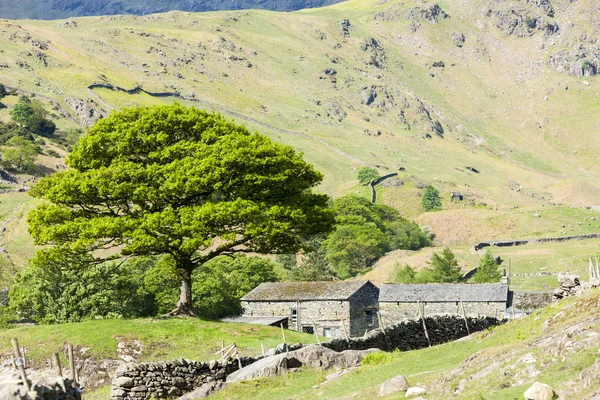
56,364
283,334
18,359
237,355
72,363
381,324
345,331
422,315
222,346
24,357
316,333
262,346
462,305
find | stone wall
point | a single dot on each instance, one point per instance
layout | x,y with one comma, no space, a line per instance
326,315
529,301
362,302
520,242
170,378
394,313
410,335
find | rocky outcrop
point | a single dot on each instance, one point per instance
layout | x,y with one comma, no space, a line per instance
568,285
580,60
322,357
88,112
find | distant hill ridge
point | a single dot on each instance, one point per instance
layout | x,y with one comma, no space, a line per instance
57,9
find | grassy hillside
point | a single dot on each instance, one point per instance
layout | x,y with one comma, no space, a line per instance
557,345
507,121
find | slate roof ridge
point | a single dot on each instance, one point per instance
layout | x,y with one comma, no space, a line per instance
443,292
311,290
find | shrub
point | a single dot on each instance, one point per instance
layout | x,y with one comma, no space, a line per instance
366,175
431,199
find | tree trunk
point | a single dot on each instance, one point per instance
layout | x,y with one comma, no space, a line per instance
184,304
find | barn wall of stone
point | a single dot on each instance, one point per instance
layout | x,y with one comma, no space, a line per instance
363,310
327,315
394,313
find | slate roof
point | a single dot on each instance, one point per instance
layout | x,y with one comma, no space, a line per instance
443,292
301,291
275,321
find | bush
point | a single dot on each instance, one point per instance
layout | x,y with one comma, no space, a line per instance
405,274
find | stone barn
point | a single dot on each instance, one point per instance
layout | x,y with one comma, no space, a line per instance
402,302
334,308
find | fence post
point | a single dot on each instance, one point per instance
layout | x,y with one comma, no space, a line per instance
316,333
18,359
72,363
465,316
422,315
381,323
56,364
283,334
345,331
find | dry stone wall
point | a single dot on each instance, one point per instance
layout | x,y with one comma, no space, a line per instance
170,378
410,335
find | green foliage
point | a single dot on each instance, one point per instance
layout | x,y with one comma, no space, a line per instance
22,111
61,286
12,129
18,154
380,358
352,248
365,231
32,115
431,199
312,265
443,268
367,174
221,282
487,271
406,274
179,181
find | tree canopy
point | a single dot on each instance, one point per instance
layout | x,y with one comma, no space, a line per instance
487,271
366,175
182,182
365,231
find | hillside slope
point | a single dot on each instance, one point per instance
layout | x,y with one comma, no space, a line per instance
496,101
56,9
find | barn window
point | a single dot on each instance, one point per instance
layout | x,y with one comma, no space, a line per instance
369,314
308,329
327,332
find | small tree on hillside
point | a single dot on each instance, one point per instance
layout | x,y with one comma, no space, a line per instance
487,271
443,268
366,175
431,199
18,154
181,182
22,111
406,274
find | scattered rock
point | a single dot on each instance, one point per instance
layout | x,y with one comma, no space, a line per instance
415,391
204,391
458,39
394,385
539,391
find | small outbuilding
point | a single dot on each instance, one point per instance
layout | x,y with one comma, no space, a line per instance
403,302
334,308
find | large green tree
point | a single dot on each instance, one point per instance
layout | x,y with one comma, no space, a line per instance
443,268
183,182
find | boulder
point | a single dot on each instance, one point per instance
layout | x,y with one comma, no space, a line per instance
415,391
539,391
204,391
394,385
266,367
316,356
